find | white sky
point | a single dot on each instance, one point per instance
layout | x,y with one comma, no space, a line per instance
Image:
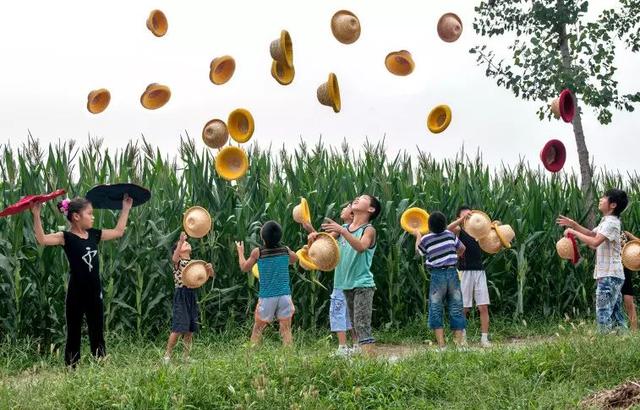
54,53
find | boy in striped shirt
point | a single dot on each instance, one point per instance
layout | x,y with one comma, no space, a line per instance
441,249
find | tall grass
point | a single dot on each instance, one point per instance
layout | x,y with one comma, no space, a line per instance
136,273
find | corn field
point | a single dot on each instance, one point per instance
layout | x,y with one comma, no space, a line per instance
136,272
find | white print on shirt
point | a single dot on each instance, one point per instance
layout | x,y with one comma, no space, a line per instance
88,258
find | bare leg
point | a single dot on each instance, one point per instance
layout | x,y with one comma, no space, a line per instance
342,338
440,337
630,308
256,334
285,332
466,312
186,339
171,343
458,337
484,318
354,337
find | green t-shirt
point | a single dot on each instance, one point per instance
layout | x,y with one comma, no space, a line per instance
354,269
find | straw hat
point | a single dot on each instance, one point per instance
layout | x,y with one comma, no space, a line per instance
567,248
449,27
282,73
255,271
566,105
499,237
155,96
324,252
215,133
478,225
553,155
98,100
505,234
281,49
555,107
399,62
196,222
221,69
241,125
631,255
329,93
157,23
195,274
415,218
301,212
439,119
304,260
345,26
232,163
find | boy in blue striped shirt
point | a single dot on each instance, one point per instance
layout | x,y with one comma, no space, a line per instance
274,301
441,249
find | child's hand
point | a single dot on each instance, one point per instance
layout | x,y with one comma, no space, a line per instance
331,226
417,233
127,202
240,247
35,207
210,271
564,221
569,231
183,237
312,237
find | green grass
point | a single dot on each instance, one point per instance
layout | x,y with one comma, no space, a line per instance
556,370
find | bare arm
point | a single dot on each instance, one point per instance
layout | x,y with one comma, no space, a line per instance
631,236
455,225
293,257
461,249
591,241
176,254
51,239
418,236
246,264
359,244
118,231
308,227
570,223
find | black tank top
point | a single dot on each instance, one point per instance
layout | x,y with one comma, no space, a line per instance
83,259
472,258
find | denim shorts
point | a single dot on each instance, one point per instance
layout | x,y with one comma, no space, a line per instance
609,304
280,307
445,286
185,311
338,315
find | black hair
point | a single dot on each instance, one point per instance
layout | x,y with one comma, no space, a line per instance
437,222
75,206
271,233
375,204
618,197
463,208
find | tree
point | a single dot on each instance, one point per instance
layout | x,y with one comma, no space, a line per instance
555,48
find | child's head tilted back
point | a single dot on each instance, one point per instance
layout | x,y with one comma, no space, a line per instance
185,250
437,222
613,202
271,234
367,203
77,211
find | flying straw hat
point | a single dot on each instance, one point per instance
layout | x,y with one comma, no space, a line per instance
155,96
304,260
415,218
241,125
567,248
232,163
449,27
221,69
345,26
566,105
301,212
329,93
478,225
255,271
399,62
499,237
282,73
98,100
157,23
215,134
553,155
324,252
195,274
631,255
439,119
555,107
196,222
281,49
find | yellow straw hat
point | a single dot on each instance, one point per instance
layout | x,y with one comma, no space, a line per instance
157,23
499,237
439,119
399,63
415,218
241,125
232,163
221,69
301,212
345,26
195,274
255,271
631,255
215,134
155,96
282,73
281,49
449,27
98,100
329,93
324,252
478,225
304,260
196,222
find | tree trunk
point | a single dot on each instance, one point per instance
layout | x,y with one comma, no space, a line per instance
586,173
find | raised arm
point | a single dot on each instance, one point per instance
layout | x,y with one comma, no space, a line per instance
293,257
175,258
118,231
359,244
246,264
418,236
51,239
455,225
570,223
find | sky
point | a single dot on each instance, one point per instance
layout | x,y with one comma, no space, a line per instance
54,53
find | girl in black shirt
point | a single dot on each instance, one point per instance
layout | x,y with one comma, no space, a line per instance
84,293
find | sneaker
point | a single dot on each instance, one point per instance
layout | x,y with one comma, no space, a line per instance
355,350
166,360
485,344
342,351
442,349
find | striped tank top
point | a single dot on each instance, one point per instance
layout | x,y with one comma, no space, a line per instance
273,265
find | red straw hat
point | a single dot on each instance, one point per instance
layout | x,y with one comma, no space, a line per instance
567,105
25,202
553,155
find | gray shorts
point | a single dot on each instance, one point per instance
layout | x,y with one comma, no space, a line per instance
280,307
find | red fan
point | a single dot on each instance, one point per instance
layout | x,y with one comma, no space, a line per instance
25,202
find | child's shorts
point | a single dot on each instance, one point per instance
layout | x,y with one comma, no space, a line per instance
280,307
185,311
338,316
